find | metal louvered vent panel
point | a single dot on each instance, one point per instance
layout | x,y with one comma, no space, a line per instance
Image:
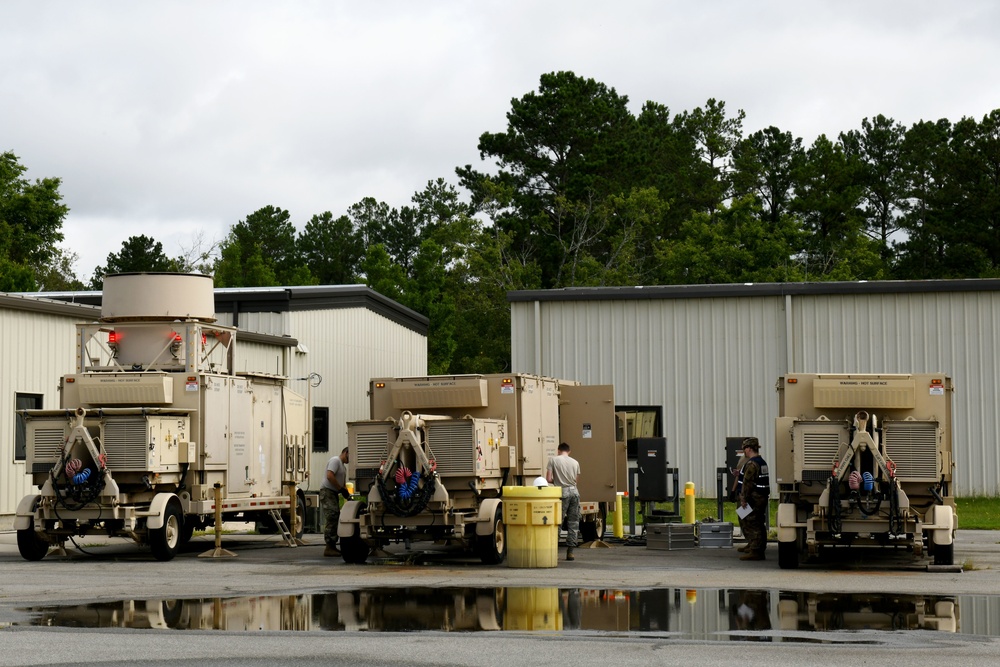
913,447
45,445
372,447
820,449
452,444
126,443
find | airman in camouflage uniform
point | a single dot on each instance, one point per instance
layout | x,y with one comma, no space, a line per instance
755,489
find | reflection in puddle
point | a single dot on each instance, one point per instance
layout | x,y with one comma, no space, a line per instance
705,614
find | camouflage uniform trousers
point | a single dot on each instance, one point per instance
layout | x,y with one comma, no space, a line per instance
329,503
571,516
754,525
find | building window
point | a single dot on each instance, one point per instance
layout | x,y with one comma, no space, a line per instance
321,430
23,402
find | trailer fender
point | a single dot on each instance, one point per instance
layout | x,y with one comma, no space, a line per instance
788,528
349,518
944,524
25,512
487,510
156,509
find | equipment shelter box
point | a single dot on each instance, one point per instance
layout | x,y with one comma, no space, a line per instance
670,536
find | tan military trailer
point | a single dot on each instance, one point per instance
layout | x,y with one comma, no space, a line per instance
153,420
433,459
864,460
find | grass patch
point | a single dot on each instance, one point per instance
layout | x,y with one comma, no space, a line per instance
978,513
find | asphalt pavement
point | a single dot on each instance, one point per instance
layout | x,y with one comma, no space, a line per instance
97,571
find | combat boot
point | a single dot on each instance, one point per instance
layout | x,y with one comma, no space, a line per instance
569,554
331,552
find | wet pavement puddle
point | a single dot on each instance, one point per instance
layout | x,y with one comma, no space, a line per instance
676,613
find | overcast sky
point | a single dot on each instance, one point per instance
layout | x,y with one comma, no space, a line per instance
174,118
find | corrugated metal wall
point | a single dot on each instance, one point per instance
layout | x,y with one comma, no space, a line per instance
266,322
260,358
712,362
37,350
348,347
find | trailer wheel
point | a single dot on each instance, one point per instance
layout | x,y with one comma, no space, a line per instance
788,555
594,530
165,540
492,548
353,549
944,554
187,530
299,529
31,546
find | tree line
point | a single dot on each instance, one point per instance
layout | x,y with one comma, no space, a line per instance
579,191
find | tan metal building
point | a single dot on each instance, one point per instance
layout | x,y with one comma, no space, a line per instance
337,336
708,356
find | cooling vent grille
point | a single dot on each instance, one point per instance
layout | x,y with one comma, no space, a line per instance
372,446
913,447
820,449
452,443
125,442
47,442
45,448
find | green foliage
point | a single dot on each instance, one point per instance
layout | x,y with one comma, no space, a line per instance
737,246
138,253
261,251
331,249
31,218
15,277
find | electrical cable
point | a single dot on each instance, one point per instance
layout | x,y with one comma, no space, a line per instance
836,523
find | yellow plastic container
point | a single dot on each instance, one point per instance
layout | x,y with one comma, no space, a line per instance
531,516
532,609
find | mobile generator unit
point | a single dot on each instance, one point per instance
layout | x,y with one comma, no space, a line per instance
433,459
155,424
864,460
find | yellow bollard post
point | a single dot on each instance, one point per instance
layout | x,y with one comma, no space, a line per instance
689,502
618,527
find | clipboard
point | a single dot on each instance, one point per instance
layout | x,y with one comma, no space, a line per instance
743,512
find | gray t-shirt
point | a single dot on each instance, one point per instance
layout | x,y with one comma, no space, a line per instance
339,470
565,469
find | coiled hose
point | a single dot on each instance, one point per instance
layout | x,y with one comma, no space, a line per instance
408,498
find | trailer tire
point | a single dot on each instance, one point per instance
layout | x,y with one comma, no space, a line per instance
788,555
187,530
166,540
353,549
171,610
299,529
944,554
492,548
31,546
591,531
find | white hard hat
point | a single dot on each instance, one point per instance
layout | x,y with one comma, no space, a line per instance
540,481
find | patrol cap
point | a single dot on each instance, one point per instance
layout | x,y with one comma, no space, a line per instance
752,443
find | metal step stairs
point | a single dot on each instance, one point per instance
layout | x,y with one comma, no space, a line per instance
285,533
